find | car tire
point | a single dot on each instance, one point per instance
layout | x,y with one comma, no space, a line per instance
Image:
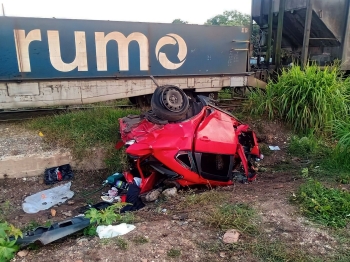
170,103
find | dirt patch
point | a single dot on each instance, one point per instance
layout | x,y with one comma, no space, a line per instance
16,190
169,239
16,140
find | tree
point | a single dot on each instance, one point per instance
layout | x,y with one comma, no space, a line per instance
236,18
179,21
233,18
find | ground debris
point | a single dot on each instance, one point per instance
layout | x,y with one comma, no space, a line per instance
170,192
231,236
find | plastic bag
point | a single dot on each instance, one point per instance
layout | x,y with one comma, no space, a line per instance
47,198
114,231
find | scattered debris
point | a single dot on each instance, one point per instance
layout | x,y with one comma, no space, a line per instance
132,198
170,192
23,253
152,196
222,254
46,235
113,231
81,241
67,214
231,236
56,174
45,199
53,212
70,202
180,217
274,148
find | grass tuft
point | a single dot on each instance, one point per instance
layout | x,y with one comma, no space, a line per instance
174,253
238,216
327,206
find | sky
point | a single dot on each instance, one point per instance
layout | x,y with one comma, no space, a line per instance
159,11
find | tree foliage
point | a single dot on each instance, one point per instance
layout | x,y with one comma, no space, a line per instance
230,18
179,21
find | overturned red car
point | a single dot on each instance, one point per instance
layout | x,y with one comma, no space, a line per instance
187,141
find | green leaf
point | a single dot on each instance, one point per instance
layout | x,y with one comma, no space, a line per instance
7,249
3,228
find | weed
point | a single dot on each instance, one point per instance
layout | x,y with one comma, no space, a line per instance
308,99
5,209
109,215
31,225
208,197
262,249
302,147
343,178
324,205
8,247
265,150
238,216
106,241
225,93
90,231
174,253
139,240
121,243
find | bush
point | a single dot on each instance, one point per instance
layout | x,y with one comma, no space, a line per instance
307,99
302,147
327,206
8,246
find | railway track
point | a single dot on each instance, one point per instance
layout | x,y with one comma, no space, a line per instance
26,114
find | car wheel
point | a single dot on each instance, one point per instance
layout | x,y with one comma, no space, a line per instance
170,103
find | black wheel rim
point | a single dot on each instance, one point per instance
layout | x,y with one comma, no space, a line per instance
172,99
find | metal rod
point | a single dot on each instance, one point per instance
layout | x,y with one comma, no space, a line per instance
155,81
238,41
240,49
324,39
269,35
279,33
307,29
3,9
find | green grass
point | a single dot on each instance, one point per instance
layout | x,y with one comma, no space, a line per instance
258,248
174,253
307,99
121,243
83,130
238,216
140,240
220,213
5,209
327,206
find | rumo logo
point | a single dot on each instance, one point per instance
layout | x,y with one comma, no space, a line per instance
171,39
80,61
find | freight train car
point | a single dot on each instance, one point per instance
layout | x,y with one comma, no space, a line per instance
50,62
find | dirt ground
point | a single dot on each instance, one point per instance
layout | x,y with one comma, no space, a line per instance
269,195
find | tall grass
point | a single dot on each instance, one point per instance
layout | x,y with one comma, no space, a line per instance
308,99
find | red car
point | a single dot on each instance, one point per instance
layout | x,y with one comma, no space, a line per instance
189,142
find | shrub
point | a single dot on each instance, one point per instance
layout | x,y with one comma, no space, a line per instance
324,205
8,246
307,99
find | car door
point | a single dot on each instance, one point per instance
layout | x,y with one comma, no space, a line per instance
215,146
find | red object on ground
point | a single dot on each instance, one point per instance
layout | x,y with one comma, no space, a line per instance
205,149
